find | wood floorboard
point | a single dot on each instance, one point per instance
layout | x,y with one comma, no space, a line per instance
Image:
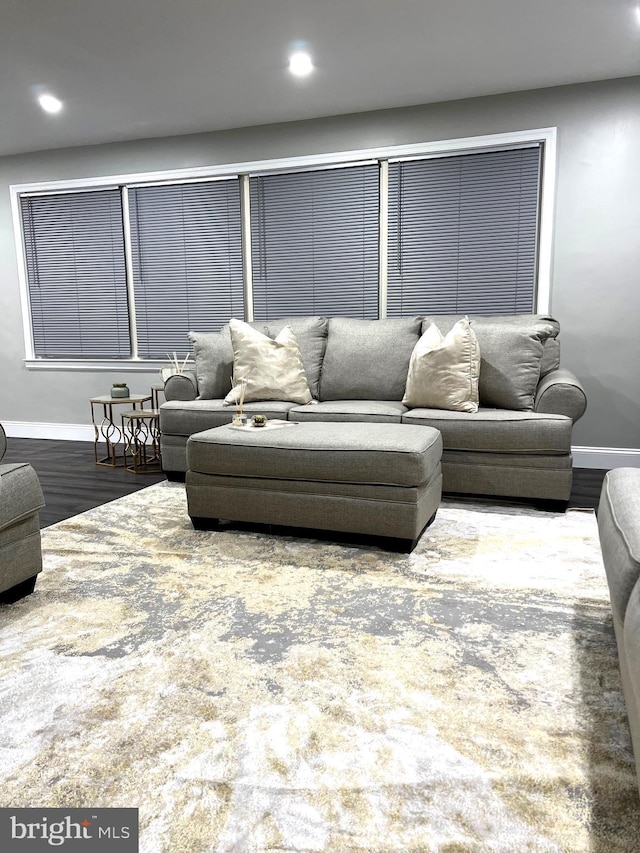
72,483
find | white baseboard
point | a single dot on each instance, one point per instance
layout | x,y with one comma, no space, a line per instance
66,432
583,457
605,457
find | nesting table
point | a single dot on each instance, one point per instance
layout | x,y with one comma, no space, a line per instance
141,440
107,432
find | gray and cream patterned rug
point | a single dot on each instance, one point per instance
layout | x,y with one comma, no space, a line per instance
250,692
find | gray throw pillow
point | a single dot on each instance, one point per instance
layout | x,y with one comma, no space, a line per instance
368,359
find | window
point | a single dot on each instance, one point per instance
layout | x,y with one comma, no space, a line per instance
314,243
463,234
186,248
74,253
124,267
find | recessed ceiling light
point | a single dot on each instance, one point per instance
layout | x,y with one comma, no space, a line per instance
49,103
300,63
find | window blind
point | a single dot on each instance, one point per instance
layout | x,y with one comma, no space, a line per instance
314,243
187,262
463,233
74,250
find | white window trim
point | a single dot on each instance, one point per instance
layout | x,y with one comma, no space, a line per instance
383,247
247,270
437,148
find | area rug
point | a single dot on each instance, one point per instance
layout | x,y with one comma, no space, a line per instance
253,691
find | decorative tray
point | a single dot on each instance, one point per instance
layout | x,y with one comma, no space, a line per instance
272,424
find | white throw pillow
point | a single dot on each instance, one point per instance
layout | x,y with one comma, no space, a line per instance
444,371
272,369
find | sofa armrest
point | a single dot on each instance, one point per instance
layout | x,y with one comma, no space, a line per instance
560,393
181,386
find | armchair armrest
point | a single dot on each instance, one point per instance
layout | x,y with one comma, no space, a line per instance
20,495
3,441
181,386
560,393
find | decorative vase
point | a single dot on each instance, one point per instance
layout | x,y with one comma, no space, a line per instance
120,390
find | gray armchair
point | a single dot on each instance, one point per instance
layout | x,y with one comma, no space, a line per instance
20,502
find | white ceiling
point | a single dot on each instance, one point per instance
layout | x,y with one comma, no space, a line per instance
130,69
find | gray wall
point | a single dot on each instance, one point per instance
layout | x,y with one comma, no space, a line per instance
596,277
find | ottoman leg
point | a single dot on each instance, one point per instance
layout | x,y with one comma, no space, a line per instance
406,546
402,546
20,590
202,523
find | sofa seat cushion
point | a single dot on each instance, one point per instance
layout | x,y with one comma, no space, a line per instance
372,411
178,417
383,454
497,430
368,359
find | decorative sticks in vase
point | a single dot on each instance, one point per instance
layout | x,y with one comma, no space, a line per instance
175,364
176,367
239,418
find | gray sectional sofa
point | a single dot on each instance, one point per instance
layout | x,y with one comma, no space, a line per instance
517,445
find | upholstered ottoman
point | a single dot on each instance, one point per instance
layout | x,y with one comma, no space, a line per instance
380,479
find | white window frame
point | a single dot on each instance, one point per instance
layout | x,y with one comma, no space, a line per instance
439,148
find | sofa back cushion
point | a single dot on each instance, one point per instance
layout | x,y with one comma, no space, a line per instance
368,359
213,353
311,334
550,356
213,356
511,349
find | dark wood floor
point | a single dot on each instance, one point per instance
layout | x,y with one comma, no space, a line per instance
73,483
70,479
